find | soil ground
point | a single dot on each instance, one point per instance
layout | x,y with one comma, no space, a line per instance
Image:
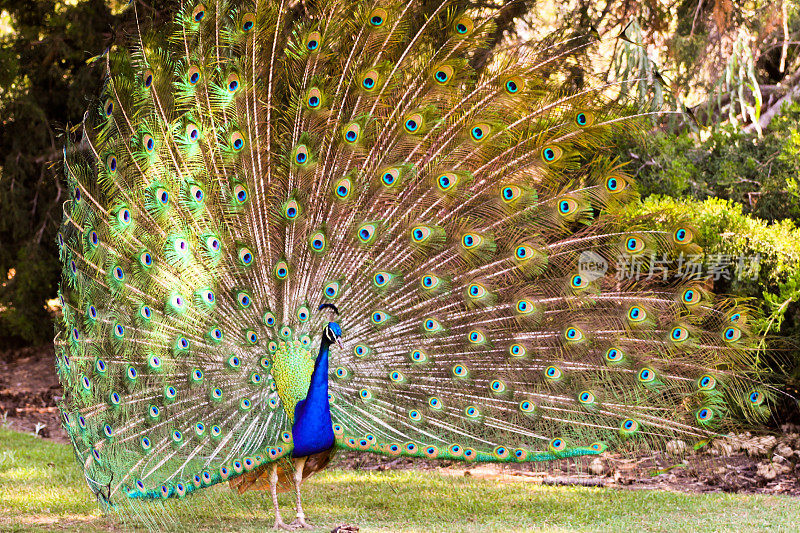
768,464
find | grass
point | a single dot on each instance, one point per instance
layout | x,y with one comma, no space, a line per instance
41,489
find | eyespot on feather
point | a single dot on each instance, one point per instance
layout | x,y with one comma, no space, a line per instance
443,74
248,22
193,75
199,13
551,154
463,26
313,42
232,82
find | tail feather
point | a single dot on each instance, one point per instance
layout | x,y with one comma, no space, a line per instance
243,168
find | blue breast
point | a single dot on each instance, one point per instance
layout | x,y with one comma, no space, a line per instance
312,432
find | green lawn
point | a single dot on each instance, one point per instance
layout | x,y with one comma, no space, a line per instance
41,489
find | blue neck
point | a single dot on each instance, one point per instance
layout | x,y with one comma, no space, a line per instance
318,389
312,432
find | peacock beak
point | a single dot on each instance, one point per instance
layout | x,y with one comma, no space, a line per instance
339,343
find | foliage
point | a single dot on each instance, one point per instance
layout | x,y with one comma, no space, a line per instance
727,233
41,488
761,174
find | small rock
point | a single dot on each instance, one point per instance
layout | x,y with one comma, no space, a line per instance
766,471
784,451
345,528
676,447
598,467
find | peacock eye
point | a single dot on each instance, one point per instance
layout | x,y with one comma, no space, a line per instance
318,242
584,118
303,314
470,241
382,278
193,75
192,133
282,270
389,177
237,141
248,22
245,256
111,163
443,74
646,375
147,78
199,13
232,83
636,314
476,337
613,355
377,17
240,193
476,291
313,41
616,184
510,193
413,123
331,290
567,206
573,334
517,350
196,193
524,307
244,299
149,143
162,196
550,154
421,234
352,132
213,243
683,236
464,26
447,181
707,383
369,80
300,155
523,252
479,132
291,210
431,325
342,188
513,85
314,98
379,317
366,233
430,281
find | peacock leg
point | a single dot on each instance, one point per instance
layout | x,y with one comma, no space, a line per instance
300,521
273,490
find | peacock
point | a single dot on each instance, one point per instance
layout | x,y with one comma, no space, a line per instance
299,228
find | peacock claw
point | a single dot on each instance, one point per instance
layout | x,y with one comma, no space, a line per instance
281,525
300,523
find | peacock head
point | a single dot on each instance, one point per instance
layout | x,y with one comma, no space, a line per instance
333,333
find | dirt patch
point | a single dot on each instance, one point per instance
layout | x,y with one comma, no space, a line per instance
29,389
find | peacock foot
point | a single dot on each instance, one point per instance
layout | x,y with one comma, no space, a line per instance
300,522
281,525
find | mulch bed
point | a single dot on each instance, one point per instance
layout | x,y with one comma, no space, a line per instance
765,464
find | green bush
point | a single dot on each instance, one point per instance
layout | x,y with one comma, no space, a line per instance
724,230
762,174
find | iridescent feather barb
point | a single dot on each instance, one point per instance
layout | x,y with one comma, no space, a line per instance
243,168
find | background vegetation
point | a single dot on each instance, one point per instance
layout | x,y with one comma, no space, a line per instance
727,155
